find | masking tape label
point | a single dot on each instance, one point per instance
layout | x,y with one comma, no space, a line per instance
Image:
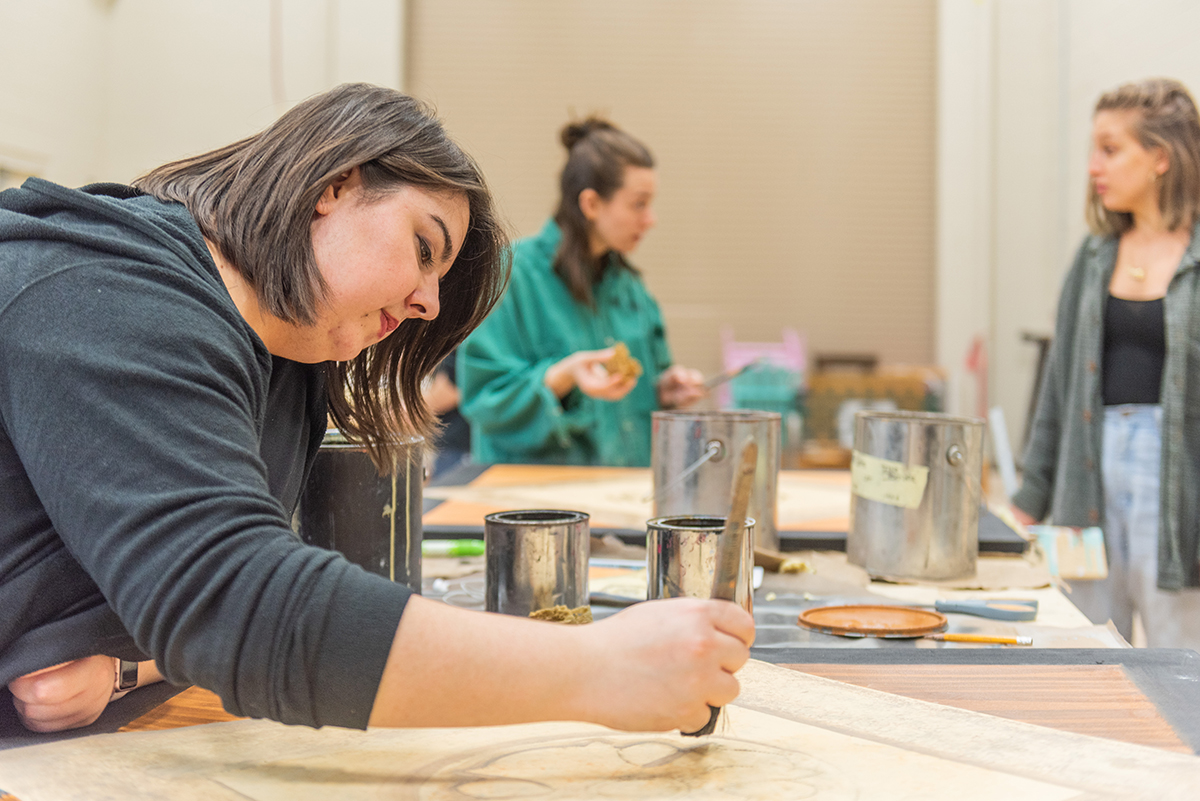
886,481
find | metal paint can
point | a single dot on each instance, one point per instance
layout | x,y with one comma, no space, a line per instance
535,559
681,558
372,520
693,458
915,494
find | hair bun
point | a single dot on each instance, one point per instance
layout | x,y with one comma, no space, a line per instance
575,132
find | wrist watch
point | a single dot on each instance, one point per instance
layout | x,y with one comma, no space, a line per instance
126,675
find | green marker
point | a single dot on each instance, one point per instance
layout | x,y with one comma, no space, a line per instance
452,548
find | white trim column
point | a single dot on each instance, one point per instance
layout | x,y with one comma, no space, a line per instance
965,183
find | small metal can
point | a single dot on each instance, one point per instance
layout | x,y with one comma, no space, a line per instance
535,559
681,558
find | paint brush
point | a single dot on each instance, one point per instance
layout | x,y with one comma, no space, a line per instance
720,378
729,549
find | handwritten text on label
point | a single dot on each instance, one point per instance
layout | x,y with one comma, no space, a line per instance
886,481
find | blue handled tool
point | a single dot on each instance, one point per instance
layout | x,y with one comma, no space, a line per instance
1000,609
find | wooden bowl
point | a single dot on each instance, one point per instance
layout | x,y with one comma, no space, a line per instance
864,620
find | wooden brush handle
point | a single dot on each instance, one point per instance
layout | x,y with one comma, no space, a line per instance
714,712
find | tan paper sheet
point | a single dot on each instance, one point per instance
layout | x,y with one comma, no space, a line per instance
807,500
791,735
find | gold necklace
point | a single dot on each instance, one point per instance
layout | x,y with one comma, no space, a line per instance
1137,273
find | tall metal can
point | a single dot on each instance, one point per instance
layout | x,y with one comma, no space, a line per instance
915,494
695,454
372,520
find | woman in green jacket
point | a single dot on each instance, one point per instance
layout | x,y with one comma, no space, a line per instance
533,378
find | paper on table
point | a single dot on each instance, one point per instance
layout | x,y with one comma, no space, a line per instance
807,499
1073,553
790,735
756,756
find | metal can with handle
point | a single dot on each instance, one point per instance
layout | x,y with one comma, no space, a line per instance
693,458
915,494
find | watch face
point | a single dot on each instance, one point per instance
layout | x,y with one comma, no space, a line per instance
128,678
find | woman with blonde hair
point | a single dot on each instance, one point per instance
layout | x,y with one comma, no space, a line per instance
1116,435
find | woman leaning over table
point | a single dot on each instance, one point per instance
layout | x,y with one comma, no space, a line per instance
168,353
1116,433
532,376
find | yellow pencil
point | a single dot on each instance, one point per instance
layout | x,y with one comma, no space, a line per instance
981,638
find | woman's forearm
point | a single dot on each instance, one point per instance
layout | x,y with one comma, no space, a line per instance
656,666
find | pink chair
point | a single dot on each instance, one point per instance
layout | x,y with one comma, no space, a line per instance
790,354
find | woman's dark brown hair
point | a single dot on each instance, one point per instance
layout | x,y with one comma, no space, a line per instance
255,200
597,154
1166,118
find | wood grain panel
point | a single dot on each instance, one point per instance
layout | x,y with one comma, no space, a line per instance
192,707
1098,700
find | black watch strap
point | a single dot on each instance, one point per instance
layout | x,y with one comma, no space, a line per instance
127,676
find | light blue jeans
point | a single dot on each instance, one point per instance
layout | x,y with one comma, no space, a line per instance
1131,461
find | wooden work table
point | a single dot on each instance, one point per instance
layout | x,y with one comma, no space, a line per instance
812,513
1149,697
1144,696
818,721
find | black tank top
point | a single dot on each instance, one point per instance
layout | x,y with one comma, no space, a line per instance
1135,344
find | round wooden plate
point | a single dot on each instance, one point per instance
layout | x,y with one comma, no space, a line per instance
873,621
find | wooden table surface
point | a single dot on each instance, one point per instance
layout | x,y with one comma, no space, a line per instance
492,486
1098,700
812,506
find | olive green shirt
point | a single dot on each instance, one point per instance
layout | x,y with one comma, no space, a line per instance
514,416
1062,475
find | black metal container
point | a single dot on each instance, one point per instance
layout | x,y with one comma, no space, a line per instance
372,520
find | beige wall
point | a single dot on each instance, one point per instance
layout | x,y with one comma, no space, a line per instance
794,140
106,89
226,68
815,156
51,104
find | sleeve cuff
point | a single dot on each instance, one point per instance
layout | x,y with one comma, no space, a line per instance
1031,501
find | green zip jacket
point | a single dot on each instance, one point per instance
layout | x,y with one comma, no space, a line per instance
1062,473
514,416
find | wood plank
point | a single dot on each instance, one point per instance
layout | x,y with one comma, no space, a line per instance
192,707
1098,700
455,512
509,475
